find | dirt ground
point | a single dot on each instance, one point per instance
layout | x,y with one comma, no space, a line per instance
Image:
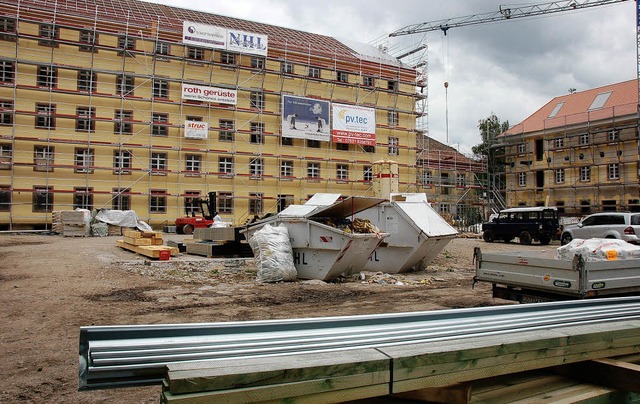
51,285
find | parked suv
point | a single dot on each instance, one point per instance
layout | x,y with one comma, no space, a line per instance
539,223
621,225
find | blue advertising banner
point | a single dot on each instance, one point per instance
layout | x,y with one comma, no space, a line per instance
305,118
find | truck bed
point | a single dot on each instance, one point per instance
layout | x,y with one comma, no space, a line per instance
540,276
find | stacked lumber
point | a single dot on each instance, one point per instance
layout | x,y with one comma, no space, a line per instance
71,223
147,243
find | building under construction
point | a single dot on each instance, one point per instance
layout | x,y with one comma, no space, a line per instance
131,105
579,152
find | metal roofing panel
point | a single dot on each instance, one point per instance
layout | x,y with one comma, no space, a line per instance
426,219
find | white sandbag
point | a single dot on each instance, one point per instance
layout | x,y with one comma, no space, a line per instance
598,249
274,257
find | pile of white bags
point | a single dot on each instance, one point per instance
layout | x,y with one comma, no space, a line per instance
274,256
598,249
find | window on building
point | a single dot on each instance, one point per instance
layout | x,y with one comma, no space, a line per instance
257,99
87,81
160,124
392,118
162,48
43,158
122,122
225,202
47,76
256,132
342,172
83,198
5,198
7,71
367,173
600,100
48,34
160,88
522,148
121,199
427,178
286,141
228,58
461,180
284,201
226,130
369,149
583,139
342,146
393,146
158,201
85,119
88,39
392,85
286,67
158,163
314,144
6,112
6,156
122,162
614,171
83,160
313,170
559,175
558,142
585,173
257,62
192,209
613,135
255,203
7,25
286,168
42,199
45,116
193,163
444,208
314,72
256,167
342,77
195,53
368,81
125,85
522,179
225,165
126,43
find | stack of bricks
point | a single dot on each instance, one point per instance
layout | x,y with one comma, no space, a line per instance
71,223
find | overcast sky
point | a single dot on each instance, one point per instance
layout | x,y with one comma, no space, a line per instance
509,68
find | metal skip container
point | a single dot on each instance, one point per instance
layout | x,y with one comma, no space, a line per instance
417,233
320,250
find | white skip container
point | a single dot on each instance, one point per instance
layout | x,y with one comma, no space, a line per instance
417,233
320,250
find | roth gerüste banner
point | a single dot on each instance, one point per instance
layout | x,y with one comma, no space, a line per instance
209,94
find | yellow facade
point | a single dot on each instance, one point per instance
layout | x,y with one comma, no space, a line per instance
102,125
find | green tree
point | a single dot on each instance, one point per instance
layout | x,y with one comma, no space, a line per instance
490,128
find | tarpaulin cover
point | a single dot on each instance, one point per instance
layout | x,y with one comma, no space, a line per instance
124,218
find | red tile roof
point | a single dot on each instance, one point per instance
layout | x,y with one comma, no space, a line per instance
623,101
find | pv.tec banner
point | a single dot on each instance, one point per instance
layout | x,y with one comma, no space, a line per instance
353,125
209,94
305,118
196,130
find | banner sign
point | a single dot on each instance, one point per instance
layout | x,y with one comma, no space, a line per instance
305,118
209,94
353,124
196,129
210,36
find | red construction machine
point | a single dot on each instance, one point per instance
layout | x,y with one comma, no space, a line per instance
200,213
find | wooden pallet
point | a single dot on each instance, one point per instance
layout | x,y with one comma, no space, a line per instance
159,252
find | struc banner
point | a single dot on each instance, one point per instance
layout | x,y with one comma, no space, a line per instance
209,94
213,37
196,130
353,125
305,118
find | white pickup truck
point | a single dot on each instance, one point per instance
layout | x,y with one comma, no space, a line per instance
539,276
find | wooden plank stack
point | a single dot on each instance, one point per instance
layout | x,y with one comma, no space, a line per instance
147,243
423,370
71,223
